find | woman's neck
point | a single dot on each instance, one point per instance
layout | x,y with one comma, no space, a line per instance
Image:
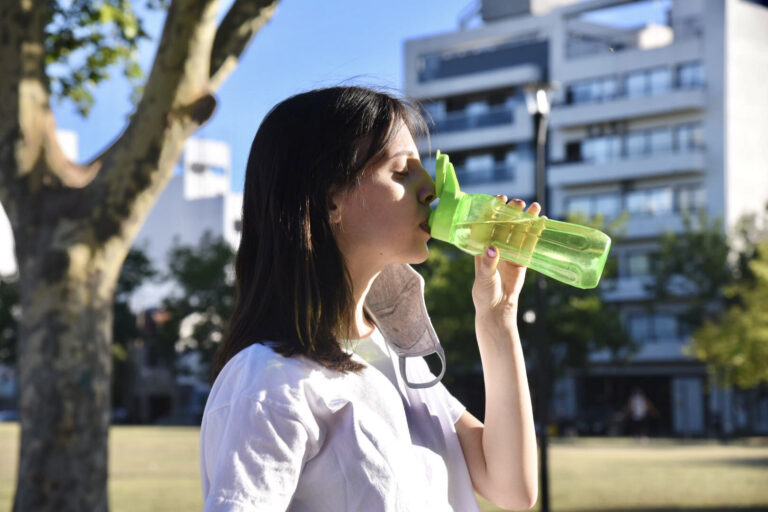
359,326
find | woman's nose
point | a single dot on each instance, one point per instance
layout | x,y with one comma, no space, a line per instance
427,190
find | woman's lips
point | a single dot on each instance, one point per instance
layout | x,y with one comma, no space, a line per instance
425,227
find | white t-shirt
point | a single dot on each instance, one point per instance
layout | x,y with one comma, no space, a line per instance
288,434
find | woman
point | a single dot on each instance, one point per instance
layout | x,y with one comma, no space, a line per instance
313,405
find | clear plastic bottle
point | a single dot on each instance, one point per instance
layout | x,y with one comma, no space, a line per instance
568,252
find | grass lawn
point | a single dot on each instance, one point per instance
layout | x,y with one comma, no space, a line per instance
155,469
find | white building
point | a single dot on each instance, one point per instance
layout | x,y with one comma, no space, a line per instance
198,199
653,119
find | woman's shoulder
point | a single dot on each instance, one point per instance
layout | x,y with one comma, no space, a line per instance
260,374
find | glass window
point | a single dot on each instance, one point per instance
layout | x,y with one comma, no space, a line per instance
638,264
665,326
637,144
639,326
474,108
602,149
479,162
689,136
691,198
610,88
436,109
661,140
608,205
651,201
660,80
579,205
581,92
690,75
660,200
636,84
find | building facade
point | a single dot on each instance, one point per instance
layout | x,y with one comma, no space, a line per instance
654,119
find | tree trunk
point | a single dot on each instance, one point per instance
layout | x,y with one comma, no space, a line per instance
64,377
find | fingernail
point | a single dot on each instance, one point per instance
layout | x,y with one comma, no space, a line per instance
491,252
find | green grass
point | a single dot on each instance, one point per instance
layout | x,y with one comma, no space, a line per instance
155,469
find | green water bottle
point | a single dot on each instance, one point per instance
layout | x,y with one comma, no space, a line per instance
567,252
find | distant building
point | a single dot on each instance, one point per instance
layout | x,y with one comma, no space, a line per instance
198,199
654,119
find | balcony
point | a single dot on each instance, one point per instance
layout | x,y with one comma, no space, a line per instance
438,66
499,126
497,173
661,164
676,100
625,288
460,121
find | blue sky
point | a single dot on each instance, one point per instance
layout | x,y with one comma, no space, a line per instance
307,44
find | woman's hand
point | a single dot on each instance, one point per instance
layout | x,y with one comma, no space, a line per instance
496,291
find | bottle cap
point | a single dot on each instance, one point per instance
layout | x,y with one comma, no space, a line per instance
447,190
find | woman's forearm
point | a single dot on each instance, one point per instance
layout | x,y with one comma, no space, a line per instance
509,436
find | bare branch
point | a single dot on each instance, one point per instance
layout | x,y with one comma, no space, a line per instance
176,101
244,19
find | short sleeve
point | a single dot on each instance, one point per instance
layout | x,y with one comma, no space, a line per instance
253,452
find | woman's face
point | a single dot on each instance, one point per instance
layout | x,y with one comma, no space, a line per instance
383,220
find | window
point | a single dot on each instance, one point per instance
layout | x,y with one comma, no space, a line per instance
592,91
436,109
579,205
637,144
652,201
640,264
607,205
689,136
691,198
648,327
659,80
660,140
601,149
636,84
690,75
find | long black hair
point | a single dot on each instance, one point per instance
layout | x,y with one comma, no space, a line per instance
293,288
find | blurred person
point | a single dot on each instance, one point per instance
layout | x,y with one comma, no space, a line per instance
322,400
638,409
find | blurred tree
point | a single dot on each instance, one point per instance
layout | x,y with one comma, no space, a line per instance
136,269
578,321
74,223
735,345
717,277
202,302
694,267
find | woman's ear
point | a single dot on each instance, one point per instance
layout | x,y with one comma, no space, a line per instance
334,205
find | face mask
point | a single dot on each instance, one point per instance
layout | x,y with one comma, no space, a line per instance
396,300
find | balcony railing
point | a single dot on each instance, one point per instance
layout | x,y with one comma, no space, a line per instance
498,172
460,121
437,66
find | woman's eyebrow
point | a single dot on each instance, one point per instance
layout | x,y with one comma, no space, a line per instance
405,152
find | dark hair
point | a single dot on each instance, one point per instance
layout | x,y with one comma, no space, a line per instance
293,288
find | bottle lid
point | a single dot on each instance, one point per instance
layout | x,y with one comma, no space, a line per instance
448,192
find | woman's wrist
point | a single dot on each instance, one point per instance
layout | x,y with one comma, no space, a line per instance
501,320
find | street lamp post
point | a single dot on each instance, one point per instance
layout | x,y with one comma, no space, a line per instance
537,99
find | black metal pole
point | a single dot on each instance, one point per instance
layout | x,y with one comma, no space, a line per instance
542,343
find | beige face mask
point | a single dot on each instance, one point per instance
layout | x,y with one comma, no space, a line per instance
396,301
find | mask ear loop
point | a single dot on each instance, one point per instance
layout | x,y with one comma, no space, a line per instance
420,385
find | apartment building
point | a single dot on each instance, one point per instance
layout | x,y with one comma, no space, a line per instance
660,110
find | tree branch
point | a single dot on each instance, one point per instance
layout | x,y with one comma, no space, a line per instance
22,82
243,20
176,101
